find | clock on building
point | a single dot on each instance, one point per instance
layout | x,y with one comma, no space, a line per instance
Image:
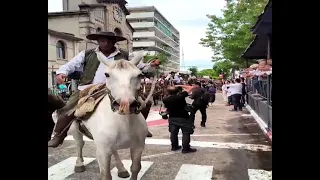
117,14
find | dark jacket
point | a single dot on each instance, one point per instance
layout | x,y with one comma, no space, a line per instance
176,106
196,96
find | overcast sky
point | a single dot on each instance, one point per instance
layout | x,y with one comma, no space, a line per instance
187,17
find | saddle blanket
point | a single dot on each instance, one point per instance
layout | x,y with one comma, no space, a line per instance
89,99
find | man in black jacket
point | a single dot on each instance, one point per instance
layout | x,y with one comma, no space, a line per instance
199,103
179,117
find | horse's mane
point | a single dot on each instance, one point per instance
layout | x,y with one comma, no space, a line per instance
123,64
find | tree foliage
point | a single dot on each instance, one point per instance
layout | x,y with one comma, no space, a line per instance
228,36
164,58
208,72
194,70
223,67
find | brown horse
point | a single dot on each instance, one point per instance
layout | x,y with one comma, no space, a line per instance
54,103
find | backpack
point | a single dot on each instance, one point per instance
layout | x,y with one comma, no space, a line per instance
212,90
205,97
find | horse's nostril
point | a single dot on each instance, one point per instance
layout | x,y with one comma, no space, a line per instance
115,104
134,104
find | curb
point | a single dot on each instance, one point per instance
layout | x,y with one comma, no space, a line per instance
262,124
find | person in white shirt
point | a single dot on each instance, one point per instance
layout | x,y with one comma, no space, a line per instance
236,93
92,72
228,93
224,91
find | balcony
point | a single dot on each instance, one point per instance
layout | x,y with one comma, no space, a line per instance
137,44
153,36
142,15
145,34
137,25
155,46
160,21
167,50
167,37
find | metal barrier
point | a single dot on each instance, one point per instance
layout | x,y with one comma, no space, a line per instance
260,98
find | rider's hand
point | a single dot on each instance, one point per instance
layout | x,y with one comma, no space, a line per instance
60,78
155,63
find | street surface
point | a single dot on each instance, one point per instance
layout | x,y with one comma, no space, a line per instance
231,147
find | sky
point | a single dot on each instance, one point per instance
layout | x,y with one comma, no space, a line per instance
187,17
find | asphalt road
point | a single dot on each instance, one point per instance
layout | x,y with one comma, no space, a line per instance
231,147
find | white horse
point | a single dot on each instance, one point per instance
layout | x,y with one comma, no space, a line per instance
113,124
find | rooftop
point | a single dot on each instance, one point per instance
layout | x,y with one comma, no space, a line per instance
64,35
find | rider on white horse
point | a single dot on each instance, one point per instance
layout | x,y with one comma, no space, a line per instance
92,72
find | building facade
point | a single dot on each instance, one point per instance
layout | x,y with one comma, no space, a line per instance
61,48
155,34
83,17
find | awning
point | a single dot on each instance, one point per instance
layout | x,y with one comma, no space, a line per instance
258,49
264,22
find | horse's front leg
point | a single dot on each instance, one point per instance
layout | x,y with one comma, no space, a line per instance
104,158
136,153
79,167
122,172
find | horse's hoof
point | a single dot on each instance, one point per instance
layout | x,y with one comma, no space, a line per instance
79,169
124,174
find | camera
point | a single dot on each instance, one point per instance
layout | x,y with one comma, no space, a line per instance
164,115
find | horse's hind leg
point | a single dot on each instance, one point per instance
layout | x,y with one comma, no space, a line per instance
136,153
79,167
122,172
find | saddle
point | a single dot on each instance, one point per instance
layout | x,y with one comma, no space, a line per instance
89,99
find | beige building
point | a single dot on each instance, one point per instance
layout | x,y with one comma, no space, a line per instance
61,48
83,17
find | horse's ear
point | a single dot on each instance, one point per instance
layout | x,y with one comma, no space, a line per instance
102,58
137,57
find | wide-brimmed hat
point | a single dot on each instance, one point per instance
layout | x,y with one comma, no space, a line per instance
109,35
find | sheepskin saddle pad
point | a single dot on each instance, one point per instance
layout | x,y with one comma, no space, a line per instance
89,99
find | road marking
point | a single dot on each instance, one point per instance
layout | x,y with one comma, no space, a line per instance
159,122
145,165
209,135
205,144
153,116
193,172
65,168
252,147
160,154
259,174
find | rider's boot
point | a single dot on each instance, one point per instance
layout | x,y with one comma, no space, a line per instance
145,112
61,130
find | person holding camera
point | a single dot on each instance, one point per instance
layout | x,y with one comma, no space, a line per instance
177,109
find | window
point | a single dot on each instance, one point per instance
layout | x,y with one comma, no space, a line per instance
61,50
98,29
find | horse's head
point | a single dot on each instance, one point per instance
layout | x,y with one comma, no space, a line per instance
123,82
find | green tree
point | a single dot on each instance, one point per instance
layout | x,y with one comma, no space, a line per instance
194,70
223,67
207,72
164,58
228,36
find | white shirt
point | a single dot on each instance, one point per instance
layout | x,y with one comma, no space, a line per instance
76,64
235,88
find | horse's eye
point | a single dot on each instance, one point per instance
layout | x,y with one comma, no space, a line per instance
107,74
